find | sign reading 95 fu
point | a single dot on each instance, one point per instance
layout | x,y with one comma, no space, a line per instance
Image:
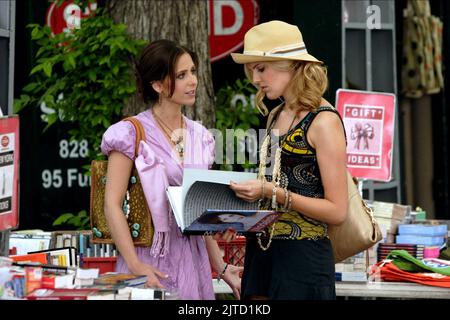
369,124
9,172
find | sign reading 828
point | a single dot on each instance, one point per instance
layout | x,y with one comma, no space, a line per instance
73,149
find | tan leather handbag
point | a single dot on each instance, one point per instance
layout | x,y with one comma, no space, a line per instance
359,231
135,205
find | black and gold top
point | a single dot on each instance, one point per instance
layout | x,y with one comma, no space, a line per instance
300,173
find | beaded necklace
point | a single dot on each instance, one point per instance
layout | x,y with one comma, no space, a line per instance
276,173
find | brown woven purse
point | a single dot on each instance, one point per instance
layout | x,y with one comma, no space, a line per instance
134,206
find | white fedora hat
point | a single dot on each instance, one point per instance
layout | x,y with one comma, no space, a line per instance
272,41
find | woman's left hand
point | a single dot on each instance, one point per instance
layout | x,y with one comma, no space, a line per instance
227,236
232,278
250,190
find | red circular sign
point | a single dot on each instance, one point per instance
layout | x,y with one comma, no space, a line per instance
66,16
228,23
5,141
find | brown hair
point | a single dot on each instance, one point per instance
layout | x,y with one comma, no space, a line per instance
156,62
307,85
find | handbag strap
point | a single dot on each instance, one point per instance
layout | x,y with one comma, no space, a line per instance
140,133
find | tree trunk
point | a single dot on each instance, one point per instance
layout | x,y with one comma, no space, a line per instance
183,21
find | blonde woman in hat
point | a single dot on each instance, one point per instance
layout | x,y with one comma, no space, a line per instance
306,149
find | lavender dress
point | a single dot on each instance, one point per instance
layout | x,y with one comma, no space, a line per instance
185,259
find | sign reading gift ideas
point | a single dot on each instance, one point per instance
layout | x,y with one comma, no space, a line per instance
369,124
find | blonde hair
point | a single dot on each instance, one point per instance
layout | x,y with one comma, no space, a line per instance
307,85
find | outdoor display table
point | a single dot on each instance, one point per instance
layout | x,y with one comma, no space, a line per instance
392,290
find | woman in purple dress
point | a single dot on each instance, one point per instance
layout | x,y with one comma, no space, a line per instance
167,78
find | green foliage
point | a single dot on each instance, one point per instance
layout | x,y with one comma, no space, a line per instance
235,110
80,221
91,69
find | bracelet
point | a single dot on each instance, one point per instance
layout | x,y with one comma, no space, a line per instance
286,199
290,202
262,190
274,197
220,276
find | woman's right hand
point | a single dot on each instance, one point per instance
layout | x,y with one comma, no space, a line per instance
153,274
250,190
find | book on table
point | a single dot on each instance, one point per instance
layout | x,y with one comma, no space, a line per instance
58,260
30,258
120,279
57,281
205,204
61,294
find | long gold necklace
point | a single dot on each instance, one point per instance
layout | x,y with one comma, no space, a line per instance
178,141
276,173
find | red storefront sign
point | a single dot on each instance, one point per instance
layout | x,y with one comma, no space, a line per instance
228,23
66,16
369,124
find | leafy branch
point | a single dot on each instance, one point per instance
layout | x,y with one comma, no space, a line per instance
85,76
80,221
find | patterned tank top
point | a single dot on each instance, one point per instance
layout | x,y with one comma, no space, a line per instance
300,173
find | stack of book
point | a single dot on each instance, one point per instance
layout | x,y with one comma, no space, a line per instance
117,285
126,293
389,216
52,280
355,268
122,286
351,276
415,250
121,279
63,257
61,294
424,234
15,288
34,283
26,279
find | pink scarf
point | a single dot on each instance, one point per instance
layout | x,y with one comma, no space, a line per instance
154,182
